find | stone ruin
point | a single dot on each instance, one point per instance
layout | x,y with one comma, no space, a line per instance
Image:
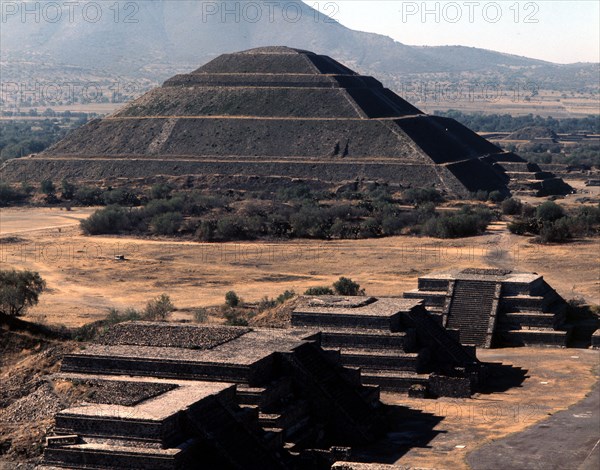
168,396
395,343
495,307
277,116
174,396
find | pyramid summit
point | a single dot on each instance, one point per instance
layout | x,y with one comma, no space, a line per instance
277,113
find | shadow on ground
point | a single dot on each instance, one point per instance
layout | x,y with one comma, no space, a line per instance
407,429
502,377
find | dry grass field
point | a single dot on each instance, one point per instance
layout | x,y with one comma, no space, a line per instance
84,279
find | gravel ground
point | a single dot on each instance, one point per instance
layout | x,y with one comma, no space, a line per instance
39,405
170,335
122,393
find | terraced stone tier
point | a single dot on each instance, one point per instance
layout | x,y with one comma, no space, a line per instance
154,420
528,319
394,381
367,339
381,360
383,314
532,337
106,456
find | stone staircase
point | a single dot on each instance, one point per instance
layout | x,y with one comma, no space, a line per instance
495,307
391,344
472,310
528,179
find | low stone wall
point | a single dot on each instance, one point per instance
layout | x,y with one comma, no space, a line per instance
444,386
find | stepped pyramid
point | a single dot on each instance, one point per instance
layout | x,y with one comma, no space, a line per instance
495,307
282,114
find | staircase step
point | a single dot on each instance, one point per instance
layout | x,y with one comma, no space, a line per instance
394,381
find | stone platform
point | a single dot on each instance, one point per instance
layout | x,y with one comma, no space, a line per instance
494,307
393,341
233,397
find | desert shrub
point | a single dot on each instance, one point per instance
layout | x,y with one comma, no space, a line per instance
232,299
88,196
67,189
159,309
512,206
481,195
111,219
161,191
496,196
206,230
369,228
555,232
162,206
421,195
9,195
467,223
265,303
520,226
296,192
200,315
229,228
198,204
346,286
47,187
120,196
285,296
549,211
166,224
319,290
116,316
19,290
234,317
310,222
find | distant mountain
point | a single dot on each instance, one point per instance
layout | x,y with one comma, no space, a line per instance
169,36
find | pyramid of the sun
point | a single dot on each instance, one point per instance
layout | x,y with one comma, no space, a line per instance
281,113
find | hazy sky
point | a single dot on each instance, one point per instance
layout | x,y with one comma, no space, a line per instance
558,31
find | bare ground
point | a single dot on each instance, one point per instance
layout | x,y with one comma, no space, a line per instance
84,279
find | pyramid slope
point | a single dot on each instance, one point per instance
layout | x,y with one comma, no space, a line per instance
270,112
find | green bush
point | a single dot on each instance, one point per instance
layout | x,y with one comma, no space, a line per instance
346,286
421,195
166,224
467,223
549,211
496,196
512,206
67,190
161,191
88,196
234,317
320,290
159,308
121,197
110,220
9,195
285,296
200,315
47,187
231,299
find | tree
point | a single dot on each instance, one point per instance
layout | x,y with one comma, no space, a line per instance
47,187
159,308
346,286
19,290
232,299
